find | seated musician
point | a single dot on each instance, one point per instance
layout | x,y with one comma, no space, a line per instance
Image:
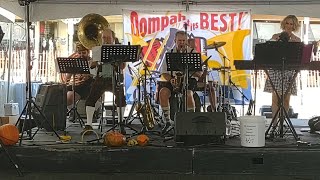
82,81
93,88
289,25
166,89
103,80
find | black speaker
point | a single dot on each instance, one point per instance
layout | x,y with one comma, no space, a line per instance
52,101
194,128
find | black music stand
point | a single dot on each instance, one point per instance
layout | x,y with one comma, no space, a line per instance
74,66
116,55
183,62
285,54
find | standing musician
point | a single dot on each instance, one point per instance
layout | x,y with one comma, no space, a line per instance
289,25
166,89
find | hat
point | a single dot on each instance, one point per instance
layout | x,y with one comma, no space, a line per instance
80,47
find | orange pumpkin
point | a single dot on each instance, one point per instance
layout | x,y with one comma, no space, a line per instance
114,138
142,139
9,134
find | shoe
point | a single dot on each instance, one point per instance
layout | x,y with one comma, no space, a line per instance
87,130
167,126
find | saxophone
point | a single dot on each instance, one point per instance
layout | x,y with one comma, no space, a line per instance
147,113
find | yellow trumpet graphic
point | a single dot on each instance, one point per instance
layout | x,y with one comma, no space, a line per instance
211,63
232,50
137,40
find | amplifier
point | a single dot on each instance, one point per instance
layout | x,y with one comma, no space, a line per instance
194,128
52,101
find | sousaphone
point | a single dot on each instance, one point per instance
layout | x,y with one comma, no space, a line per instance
90,29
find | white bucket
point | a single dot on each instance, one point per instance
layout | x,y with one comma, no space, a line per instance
252,131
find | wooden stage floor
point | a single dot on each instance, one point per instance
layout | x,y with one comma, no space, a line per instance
281,158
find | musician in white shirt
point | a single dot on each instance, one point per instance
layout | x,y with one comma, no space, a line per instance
171,82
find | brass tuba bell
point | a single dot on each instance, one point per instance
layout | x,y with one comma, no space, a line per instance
90,29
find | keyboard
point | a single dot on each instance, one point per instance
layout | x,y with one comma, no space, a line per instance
251,65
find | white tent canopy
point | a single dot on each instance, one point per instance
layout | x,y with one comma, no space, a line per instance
61,9
11,7
6,16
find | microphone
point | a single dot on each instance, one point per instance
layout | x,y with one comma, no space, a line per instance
185,25
284,37
171,50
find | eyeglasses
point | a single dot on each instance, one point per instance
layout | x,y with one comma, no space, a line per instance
82,52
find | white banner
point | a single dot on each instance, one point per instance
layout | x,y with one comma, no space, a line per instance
155,33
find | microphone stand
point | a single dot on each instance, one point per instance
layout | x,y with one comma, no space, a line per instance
186,73
242,94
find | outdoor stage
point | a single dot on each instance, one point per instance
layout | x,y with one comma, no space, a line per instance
45,157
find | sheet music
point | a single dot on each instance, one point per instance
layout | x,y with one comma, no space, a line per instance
96,53
106,68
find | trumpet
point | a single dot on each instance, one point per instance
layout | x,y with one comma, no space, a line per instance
177,81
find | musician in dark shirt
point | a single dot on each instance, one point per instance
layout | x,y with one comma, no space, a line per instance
103,81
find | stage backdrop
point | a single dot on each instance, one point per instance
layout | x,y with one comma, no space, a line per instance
155,32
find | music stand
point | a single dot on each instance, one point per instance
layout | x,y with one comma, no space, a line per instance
74,66
281,55
184,62
116,55
274,53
